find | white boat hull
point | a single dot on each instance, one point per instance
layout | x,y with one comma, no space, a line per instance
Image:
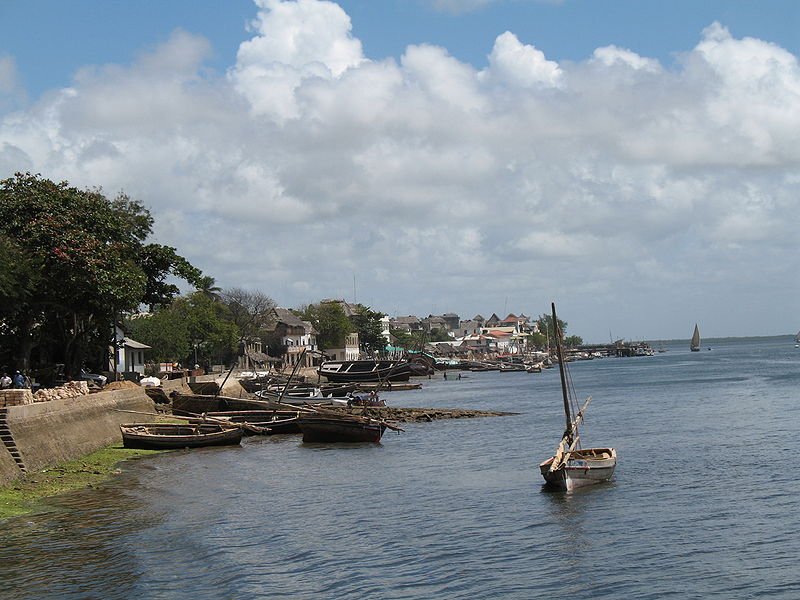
587,467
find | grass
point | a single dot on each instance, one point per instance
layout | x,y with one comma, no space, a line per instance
23,495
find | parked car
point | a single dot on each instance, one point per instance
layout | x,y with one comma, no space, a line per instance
99,380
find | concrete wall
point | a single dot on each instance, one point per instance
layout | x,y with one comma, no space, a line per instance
47,433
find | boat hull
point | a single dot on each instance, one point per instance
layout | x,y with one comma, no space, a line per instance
269,422
586,467
339,371
160,436
321,429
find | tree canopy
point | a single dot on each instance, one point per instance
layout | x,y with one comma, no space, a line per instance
80,260
367,323
330,322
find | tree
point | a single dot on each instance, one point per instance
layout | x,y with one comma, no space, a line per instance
330,322
573,341
207,286
439,335
367,323
193,329
85,261
545,323
251,312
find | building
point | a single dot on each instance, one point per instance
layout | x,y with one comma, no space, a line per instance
128,356
297,337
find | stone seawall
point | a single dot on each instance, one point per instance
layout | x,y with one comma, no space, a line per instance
47,433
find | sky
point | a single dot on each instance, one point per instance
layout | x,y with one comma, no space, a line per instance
636,162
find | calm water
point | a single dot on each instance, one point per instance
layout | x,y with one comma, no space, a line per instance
704,502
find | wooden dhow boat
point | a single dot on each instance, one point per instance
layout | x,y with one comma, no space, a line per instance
171,436
338,371
261,422
331,427
571,466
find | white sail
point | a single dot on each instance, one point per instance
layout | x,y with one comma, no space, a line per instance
695,344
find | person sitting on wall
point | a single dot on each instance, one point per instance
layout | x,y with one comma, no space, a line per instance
5,382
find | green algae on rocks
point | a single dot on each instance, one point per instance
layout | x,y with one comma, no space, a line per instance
23,495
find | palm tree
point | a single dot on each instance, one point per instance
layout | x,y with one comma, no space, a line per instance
205,285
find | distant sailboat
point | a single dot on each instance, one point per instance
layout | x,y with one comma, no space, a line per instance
695,344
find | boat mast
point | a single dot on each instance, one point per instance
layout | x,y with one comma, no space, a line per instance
557,334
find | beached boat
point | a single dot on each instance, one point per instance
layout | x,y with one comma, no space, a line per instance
202,403
263,422
694,345
166,436
295,397
572,466
365,370
340,428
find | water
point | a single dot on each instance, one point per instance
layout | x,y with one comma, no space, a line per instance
703,504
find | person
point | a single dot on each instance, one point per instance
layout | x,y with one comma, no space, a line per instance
5,381
445,375
19,380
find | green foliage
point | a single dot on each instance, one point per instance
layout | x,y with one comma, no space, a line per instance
403,339
573,341
545,323
537,340
330,322
438,335
367,323
414,340
79,261
192,323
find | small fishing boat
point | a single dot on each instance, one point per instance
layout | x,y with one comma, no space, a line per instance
166,436
201,403
344,428
262,422
694,345
296,397
572,466
365,370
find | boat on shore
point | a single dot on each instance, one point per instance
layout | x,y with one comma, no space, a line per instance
571,466
260,422
340,429
193,404
338,371
171,436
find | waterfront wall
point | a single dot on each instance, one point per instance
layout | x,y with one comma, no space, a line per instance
47,433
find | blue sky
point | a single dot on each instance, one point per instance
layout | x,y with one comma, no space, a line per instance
635,161
93,31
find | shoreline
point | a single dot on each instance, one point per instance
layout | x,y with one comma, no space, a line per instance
27,494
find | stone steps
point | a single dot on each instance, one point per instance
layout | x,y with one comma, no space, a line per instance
8,440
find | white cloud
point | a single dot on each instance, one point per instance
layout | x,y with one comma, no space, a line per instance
440,185
521,65
295,41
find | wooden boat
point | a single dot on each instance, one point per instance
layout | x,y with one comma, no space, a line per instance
572,466
694,345
295,397
253,384
166,436
365,370
270,422
344,428
202,403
